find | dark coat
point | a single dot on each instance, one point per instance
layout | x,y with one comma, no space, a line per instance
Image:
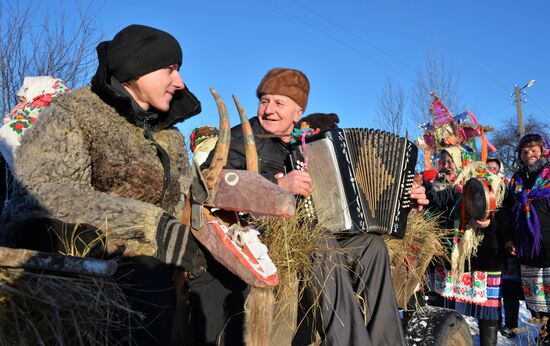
490,253
272,152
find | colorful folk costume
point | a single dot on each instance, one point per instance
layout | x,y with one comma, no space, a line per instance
530,205
35,95
470,281
446,130
473,277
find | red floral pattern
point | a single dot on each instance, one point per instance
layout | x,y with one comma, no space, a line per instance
42,100
23,115
471,287
467,279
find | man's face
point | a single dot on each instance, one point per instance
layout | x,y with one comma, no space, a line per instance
156,89
278,114
493,167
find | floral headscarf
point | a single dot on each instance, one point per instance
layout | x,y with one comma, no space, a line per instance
38,93
527,225
461,159
202,140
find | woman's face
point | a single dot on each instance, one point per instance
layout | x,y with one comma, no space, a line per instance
530,153
156,89
493,167
447,163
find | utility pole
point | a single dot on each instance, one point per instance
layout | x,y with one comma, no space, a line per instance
517,92
521,126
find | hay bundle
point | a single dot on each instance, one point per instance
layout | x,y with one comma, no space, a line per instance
411,255
45,309
62,298
291,243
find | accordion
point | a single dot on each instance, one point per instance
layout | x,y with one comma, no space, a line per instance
361,180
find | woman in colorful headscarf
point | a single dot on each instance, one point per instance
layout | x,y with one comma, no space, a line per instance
35,94
529,203
470,283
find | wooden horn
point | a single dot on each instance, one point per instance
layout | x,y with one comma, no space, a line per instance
249,143
222,148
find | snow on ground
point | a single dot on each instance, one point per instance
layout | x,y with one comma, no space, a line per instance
526,337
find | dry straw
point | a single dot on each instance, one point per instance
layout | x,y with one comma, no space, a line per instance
53,308
293,241
424,240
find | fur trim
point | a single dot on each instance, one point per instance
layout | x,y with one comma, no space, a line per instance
286,82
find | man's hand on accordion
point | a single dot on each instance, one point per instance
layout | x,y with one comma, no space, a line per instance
297,182
418,196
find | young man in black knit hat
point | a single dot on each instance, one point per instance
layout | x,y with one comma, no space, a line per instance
110,155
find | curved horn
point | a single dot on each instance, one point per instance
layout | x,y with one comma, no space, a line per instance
222,147
249,144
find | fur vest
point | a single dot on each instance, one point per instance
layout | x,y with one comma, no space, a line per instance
83,162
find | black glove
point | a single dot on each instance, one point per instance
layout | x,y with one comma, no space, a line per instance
176,245
323,121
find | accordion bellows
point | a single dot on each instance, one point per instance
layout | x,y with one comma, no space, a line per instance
361,180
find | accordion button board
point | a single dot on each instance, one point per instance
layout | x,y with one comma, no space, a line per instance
361,180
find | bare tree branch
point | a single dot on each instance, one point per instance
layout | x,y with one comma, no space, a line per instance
391,105
436,77
505,139
38,45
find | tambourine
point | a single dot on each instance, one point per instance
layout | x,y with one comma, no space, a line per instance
479,198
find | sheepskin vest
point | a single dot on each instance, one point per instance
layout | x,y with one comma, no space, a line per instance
84,162
124,163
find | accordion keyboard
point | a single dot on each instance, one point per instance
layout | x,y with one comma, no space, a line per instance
361,180
308,201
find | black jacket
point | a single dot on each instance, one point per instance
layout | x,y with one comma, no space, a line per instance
490,253
272,152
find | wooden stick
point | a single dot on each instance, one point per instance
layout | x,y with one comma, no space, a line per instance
31,259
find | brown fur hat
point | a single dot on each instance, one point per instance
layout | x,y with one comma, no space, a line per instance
286,82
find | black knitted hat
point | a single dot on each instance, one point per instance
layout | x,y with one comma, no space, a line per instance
139,49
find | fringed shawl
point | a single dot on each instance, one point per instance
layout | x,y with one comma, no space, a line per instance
525,213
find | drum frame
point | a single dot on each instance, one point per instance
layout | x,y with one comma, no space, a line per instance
490,198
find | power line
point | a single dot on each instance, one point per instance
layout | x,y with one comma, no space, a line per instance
419,25
536,105
354,35
338,40
487,73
